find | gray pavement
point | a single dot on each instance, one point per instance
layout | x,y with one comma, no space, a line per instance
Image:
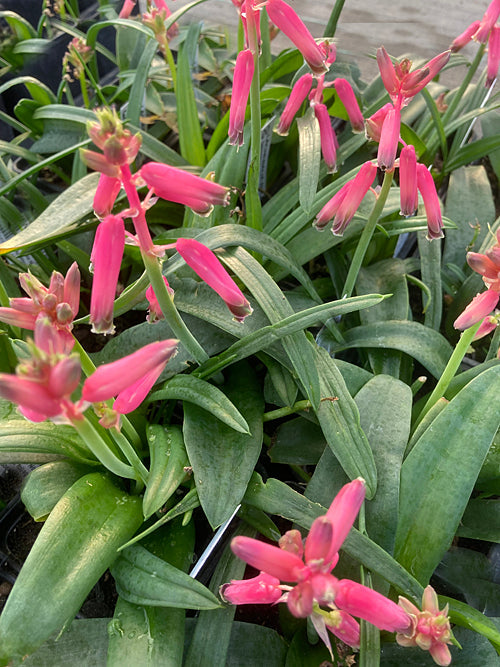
422,27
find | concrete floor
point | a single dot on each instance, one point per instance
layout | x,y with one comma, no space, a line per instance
422,27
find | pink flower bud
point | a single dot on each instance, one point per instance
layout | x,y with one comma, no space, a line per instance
71,289
374,124
425,184
344,510
205,263
65,376
300,600
345,627
330,209
105,195
389,139
465,37
480,306
371,606
182,187
408,181
155,312
116,377
29,394
17,318
292,541
388,72
106,258
98,162
319,541
126,9
327,136
297,96
262,589
493,55
350,203
277,562
414,82
489,19
348,99
285,18
243,74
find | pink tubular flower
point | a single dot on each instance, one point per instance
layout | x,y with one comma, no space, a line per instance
106,259
285,18
299,93
205,263
493,55
129,378
427,189
328,139
408,180
389,138
181,187
349,204
126,9
489,19
105,195
155,312
430,628
374,124
480,306
262,589
243,74
348,99
330,209
309,569
465,37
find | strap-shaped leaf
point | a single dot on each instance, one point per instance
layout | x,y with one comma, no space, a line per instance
309,158
145,579
438,475
206,396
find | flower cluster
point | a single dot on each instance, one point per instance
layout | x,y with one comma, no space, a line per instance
77,54
486,30
483,305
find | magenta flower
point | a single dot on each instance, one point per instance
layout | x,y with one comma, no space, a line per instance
430,628
205,263
348,99
493,55
328,139
243,75
129,378
481,305
105,195
408,181
310,587
427,189
489,19
299,93
285,18
155,313
106,259
346,201
465,37
374,124
389,138
180,186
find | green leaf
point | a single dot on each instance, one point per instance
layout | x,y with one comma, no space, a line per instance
136,96
20,26
222,458
385,409
425,345
206,396
38,90
309,158
45,485
190,136
468,617
63,214
430,260
438,475
339,419
145,579
259,646
471,152
481,521
289,444
167,469
75,547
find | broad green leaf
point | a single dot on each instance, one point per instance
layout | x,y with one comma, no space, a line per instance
21,439
481,521
167,468
38,90
309,158
223,459
144,579
471,152
385,410
468,617
425,345
276,307
136,97
303,654
438,475
255,645
205,395
299,442
75,547
63,214
190,136
430,266
339,419
45,485
22,27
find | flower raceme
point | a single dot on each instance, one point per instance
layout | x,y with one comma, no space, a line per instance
308,567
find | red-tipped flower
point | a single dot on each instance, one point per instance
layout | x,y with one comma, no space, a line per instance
348,99
299,93
327,136
408,181
389,138
427,189
243,75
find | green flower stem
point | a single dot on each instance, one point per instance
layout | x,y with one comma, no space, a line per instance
254,211
449,372
131,455
101,451
284,412
494,345
83,88
171,313
366,235
457,97
169,59
88,368
331,26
